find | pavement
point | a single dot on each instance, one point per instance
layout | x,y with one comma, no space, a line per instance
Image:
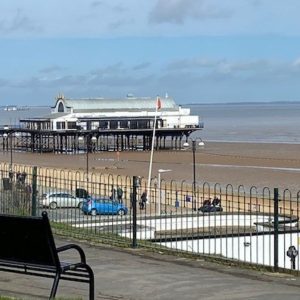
137,274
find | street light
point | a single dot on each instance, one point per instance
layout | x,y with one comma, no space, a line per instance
186,145
89,142
159,187
5,135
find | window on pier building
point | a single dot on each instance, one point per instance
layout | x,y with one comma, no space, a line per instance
94,125
133,124
61,107
103,125
143,124
113,124
72,125
159,123
37,126
61,125
124,124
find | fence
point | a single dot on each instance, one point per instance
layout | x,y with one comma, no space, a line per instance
257,227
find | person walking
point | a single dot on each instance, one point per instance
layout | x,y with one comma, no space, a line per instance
119,194
113,193
143,200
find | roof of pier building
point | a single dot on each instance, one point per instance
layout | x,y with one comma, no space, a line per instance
130,103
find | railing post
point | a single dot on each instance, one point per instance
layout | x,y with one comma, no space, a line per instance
194,175
34,191
276,200
135,181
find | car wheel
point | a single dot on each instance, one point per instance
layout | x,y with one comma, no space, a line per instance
93,212
80,204
121,212
53,205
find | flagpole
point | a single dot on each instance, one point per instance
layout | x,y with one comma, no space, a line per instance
152,149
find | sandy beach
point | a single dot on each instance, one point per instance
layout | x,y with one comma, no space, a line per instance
248,164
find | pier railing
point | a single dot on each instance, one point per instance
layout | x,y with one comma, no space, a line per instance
252,226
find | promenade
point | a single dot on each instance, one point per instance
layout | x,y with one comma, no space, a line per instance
135,274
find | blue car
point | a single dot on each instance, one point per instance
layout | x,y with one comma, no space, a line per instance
103,206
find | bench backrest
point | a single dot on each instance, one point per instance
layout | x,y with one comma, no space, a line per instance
27,240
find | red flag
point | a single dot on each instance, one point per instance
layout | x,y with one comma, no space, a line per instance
158,103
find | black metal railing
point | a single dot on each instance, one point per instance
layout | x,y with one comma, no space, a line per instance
252,226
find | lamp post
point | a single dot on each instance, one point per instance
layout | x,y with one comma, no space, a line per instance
194,146
5,135
89,142
194,174
159,188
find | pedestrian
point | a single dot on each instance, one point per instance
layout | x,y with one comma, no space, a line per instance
113,194
131,200
119,194
143,200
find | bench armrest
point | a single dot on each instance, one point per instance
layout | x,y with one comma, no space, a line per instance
76,247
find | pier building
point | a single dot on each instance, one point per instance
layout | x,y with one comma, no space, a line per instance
102,124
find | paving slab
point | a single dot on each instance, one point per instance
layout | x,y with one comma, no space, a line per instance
136,274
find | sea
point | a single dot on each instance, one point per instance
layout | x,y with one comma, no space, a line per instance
255,122
251,122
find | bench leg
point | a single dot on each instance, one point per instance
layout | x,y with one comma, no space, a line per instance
54,286
92,282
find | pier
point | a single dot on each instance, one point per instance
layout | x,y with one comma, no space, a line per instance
78,141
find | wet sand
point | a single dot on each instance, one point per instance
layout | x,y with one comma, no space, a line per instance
248,164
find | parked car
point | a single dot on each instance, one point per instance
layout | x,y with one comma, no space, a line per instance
103,205
81,193
53,200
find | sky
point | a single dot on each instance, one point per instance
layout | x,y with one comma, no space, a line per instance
196,51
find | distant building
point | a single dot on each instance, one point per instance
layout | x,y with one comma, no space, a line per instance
10,108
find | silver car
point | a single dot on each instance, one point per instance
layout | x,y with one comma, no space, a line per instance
53,200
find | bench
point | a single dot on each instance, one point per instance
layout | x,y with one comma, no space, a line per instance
28,247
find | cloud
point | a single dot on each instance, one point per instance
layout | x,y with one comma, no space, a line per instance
19,22
222,65
103,18
52,69
255,3
141,66
119,24
296,63
113,69
121,80
58,82
118,75
191,63
179,11
96,4
195,70
3,83
119,8
185,78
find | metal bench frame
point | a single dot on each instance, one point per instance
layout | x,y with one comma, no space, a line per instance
28,247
